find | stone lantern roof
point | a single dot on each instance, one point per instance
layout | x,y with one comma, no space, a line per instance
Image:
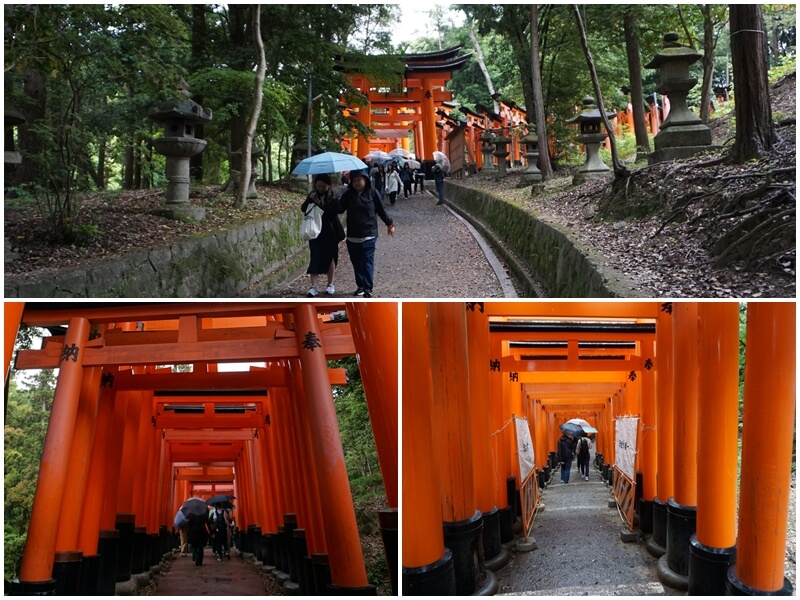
673,51
185,110
590,113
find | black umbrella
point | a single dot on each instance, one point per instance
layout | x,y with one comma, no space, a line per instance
573,430
220,499
194,507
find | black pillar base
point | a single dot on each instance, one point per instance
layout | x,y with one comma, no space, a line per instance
506,525
299,549
436,579
281,562
139,555
321,569
269,549
681,525
289,525
657,543
388,521
67,572
495,556
461,537
487,585
108,548
708,568
31,588
125,524
90,576
340,590
646,516
737,588
605,473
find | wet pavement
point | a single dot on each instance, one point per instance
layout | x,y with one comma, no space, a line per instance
231,577
579,551
433,254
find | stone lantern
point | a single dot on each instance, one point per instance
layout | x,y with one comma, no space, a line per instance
487,139
591,136
531,140
501,143
682,133
236,159
179,144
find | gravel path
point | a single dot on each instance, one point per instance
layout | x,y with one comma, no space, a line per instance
433,254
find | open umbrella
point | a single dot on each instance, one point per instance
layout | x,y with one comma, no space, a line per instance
400,152
377,156
180,520
413,163
220,498
583,425
328,162
442,160
194,507
573,430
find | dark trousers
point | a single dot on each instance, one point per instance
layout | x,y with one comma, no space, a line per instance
440,190
220,542
565,469
197,554
419,182
363,258
392,197
406,189
583,465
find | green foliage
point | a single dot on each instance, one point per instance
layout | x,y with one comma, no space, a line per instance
785,65
26,423
358,442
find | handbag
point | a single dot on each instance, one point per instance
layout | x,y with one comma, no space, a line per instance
311,226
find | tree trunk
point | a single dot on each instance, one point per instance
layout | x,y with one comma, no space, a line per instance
619,170
637,93
482,65
128,178
29,142
707,62
258,95
755,132
538,99
199,36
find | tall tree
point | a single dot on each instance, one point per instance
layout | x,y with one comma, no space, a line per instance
479,57
631,28
755,131
619,169
538,98
252,122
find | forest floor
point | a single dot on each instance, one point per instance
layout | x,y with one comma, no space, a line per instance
664,228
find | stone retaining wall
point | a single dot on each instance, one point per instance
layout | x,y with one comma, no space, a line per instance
215,266
542,257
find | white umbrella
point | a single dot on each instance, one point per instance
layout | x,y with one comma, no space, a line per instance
441,158
379,155
400,152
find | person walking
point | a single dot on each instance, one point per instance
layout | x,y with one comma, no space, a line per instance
363,206
221,525
583,457
419,179
407,177
198,537
438,178
393,183
565,456
184,533
377,177
325,247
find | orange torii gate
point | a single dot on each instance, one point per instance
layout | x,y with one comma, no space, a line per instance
392,113
469,364
128,440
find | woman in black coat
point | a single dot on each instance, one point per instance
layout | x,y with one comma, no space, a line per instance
325,248
565,456
198,537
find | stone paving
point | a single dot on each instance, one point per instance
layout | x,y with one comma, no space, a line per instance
233,577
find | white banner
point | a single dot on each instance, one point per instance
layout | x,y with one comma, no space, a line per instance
524,448
626,429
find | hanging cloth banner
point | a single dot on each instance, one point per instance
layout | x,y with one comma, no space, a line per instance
626,429
524,448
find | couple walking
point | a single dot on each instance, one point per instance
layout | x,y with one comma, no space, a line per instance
363,206
568,448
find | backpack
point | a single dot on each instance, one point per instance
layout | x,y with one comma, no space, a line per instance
583,447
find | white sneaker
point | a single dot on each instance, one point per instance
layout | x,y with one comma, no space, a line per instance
330,290
312,292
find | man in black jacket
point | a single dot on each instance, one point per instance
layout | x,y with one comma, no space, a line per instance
565,456
363,206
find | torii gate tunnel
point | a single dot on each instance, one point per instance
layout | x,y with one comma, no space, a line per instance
128,440
659,382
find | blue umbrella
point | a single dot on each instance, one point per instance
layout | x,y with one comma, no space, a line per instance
328,162
573,429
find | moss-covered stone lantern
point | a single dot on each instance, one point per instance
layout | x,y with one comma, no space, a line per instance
179,144
532,174
501,143
487,148
592,135
682,133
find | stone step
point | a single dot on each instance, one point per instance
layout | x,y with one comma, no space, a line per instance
623,589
